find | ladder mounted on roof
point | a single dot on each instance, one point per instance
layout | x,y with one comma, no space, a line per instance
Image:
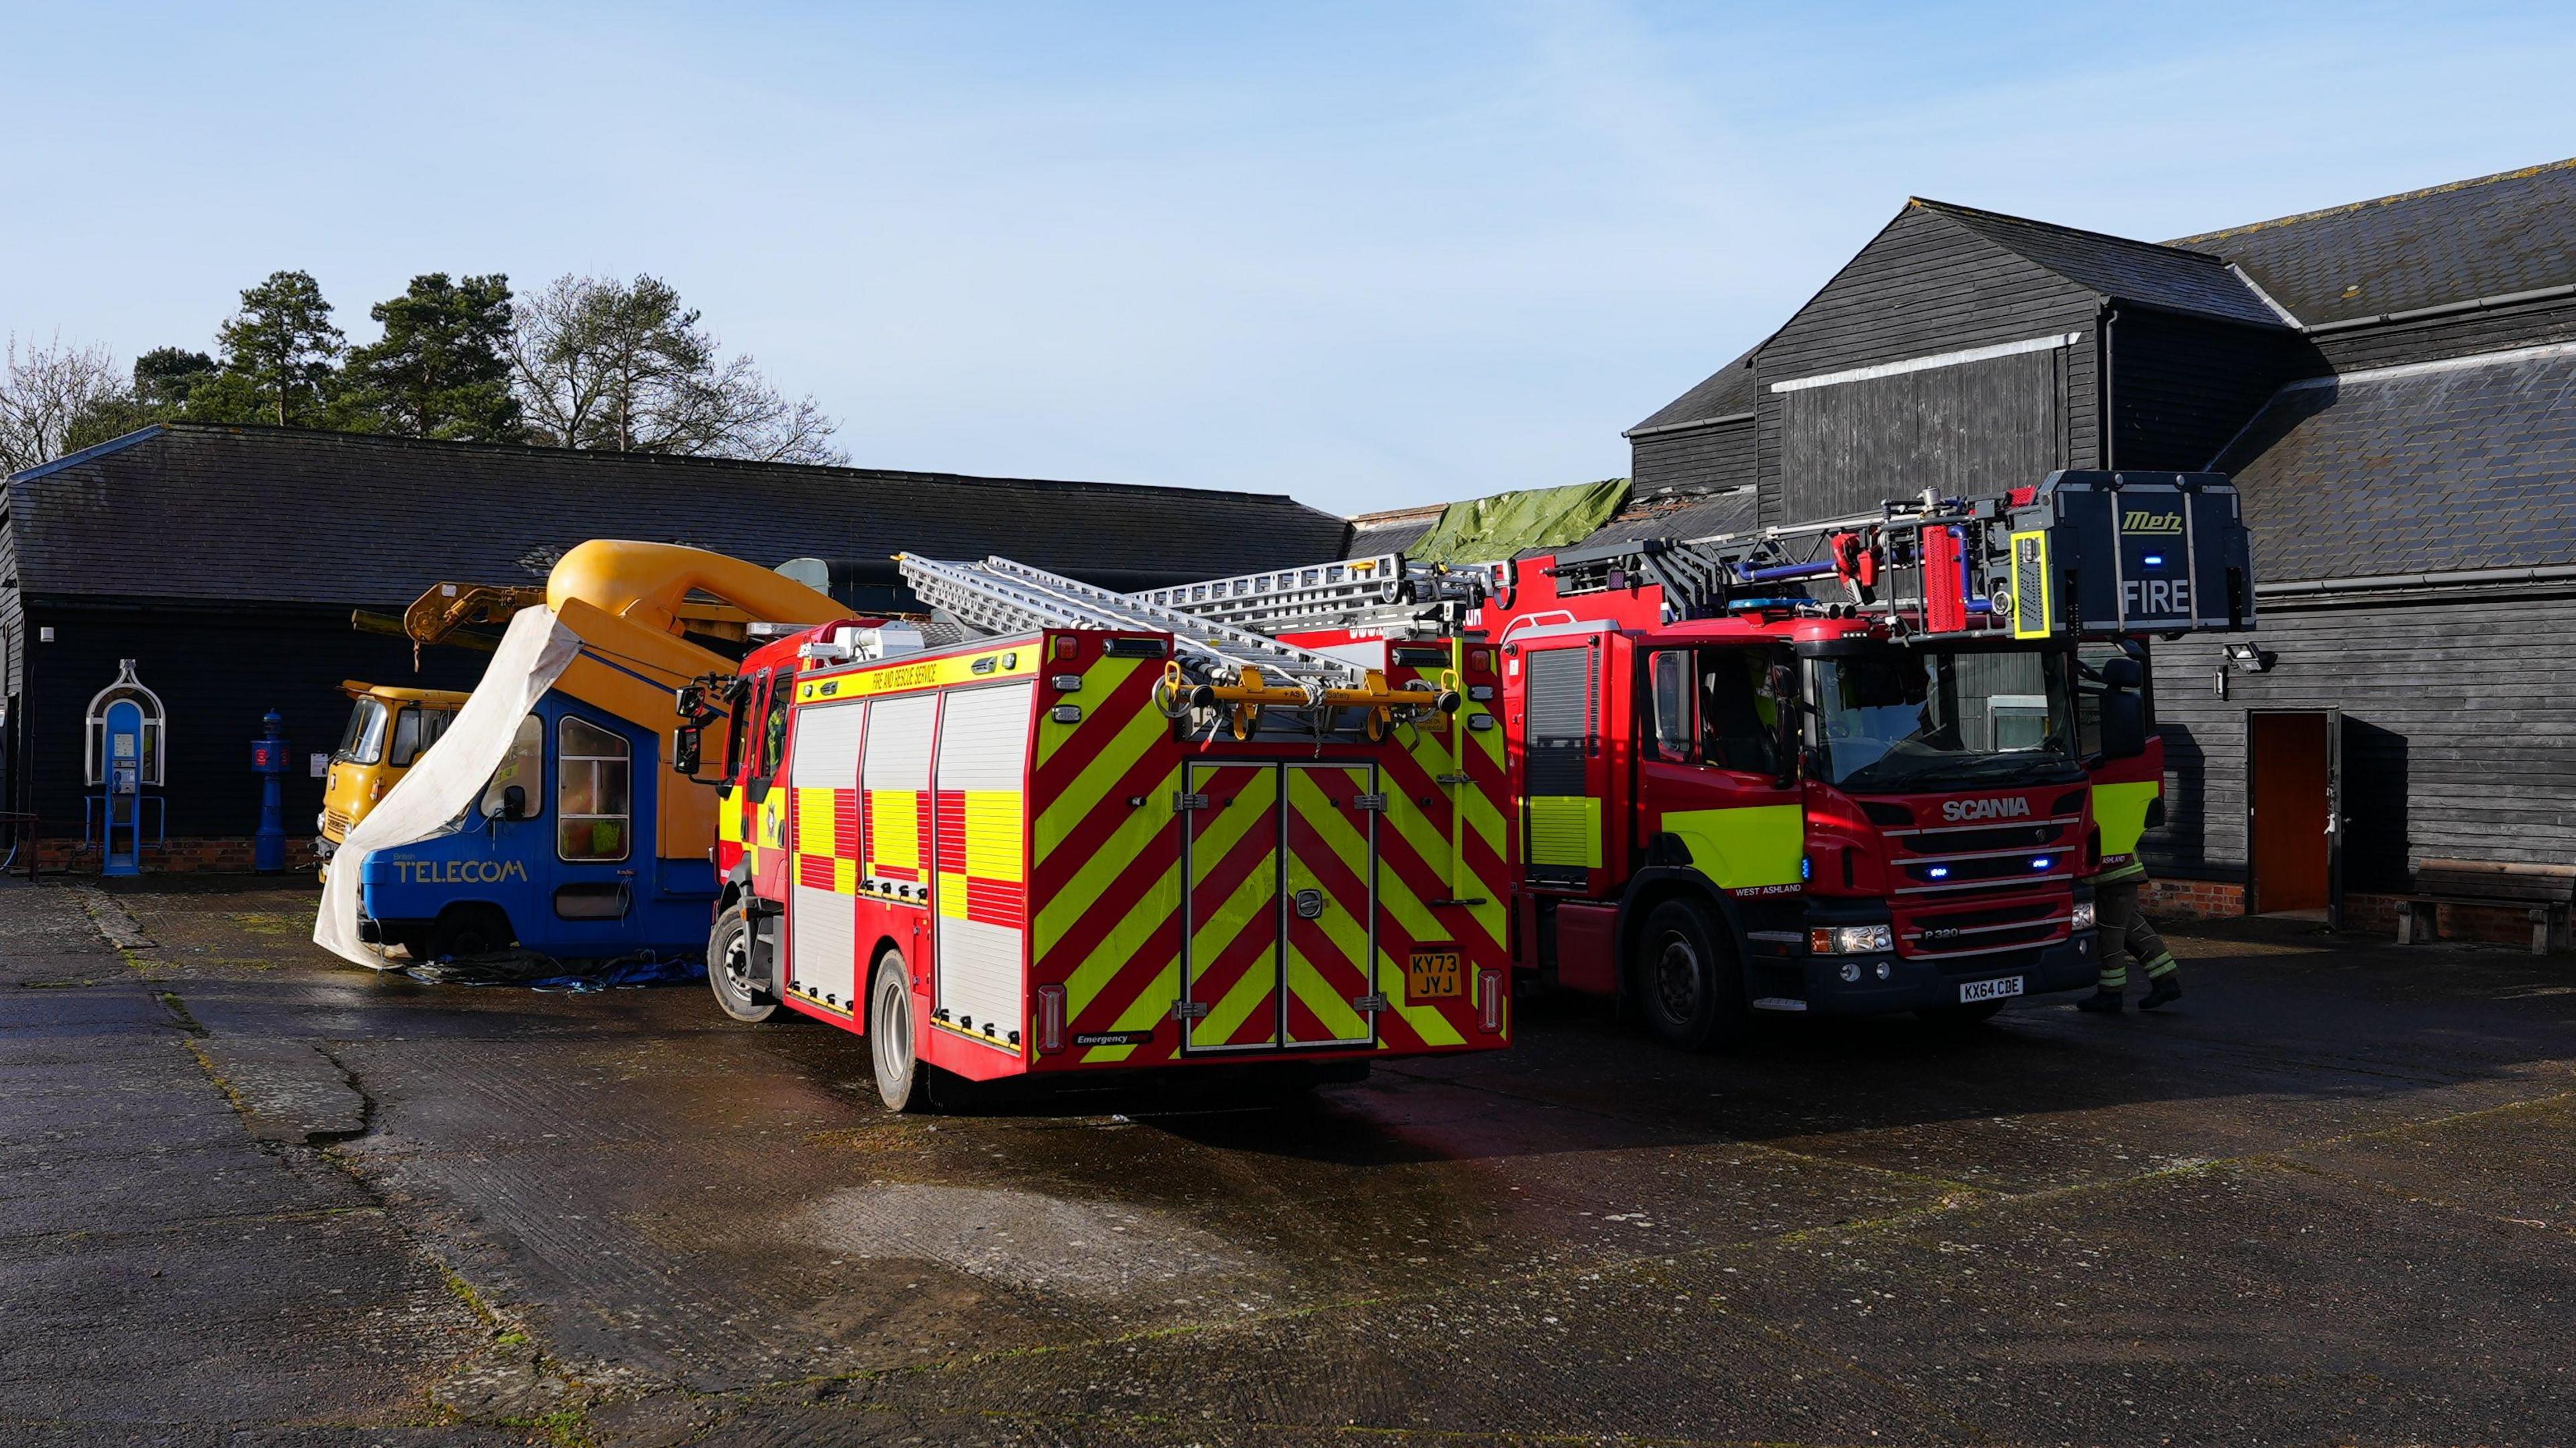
1216,666
1381,592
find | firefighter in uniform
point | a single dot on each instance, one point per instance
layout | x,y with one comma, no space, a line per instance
2124,937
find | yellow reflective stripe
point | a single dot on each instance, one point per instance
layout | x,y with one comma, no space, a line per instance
813,821
894,835
993,835
1147,1011
952,895
1564,829
1103,678
1116,856
2120,811
1090,788
1331,1010
845,877
1748,845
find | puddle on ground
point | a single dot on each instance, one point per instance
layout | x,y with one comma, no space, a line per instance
1097,1251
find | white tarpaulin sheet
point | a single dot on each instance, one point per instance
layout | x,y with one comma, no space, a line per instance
533,654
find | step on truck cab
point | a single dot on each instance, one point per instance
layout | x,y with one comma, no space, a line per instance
1095,846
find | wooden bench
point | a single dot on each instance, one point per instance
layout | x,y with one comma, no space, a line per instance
2548,892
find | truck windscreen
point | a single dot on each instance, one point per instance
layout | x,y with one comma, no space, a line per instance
1894,718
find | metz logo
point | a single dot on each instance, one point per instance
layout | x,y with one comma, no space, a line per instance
1956,810
2139,520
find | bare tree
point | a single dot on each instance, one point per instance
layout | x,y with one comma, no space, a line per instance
623,366
45,391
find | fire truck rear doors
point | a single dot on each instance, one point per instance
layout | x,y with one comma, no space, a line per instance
1280,861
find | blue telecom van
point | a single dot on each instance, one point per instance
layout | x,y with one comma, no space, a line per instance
557,854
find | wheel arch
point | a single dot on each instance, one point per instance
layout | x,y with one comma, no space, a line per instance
1653,886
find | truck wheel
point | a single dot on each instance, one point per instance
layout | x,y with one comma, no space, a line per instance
467,930
1690,985
729,970
903,1083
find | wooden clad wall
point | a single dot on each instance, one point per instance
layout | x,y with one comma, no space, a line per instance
2181,387
1700,459
216,675
1966,429
1925,286
2459,735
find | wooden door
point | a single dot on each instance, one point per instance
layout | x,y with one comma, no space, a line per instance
2290,809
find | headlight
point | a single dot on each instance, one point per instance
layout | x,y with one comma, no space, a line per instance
2083,917
1850,940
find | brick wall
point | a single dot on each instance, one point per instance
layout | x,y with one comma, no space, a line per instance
2195,899
217,855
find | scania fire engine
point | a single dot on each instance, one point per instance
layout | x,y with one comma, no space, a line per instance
1109,835
1855,766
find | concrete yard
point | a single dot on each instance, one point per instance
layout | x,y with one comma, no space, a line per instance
249,1195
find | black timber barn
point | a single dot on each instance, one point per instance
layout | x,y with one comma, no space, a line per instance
2393,385
228,562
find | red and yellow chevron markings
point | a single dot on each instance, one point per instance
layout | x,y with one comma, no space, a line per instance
1330,959
1234,906
1104,871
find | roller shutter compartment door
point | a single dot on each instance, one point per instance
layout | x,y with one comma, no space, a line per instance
981,893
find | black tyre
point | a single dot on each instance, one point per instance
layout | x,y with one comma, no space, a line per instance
1688,982
903,1083
729,972
1956,1018
465,930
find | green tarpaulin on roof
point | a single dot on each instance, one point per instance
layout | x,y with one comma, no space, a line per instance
1488,530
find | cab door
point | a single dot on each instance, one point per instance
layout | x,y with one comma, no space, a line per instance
765,790
596,871
1710,767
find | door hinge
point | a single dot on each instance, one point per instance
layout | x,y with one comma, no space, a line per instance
1184,803
1368,1003
1189,1010
1452,779
1375,802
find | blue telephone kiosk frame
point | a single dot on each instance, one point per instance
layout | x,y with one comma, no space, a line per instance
490,880
127,738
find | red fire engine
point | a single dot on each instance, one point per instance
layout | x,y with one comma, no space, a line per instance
1858,766
1108,836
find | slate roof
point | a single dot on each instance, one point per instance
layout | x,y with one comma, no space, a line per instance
1725,393
2418,469
2484,237
2124,270
287,515
1697,515
1392,531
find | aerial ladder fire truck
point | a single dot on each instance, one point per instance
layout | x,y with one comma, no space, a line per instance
1110,835
1854,766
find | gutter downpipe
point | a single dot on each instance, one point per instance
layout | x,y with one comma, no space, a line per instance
2110,396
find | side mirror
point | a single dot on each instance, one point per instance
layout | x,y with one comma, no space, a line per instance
514,802
2124,725
684,750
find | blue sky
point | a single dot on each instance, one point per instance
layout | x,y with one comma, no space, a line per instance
1370,255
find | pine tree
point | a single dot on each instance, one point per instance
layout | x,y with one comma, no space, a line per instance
278,355
439,369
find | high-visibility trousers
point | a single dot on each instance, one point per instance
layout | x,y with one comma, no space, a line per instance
2125,937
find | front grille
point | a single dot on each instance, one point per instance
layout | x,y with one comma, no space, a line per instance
1977,936
2006,837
